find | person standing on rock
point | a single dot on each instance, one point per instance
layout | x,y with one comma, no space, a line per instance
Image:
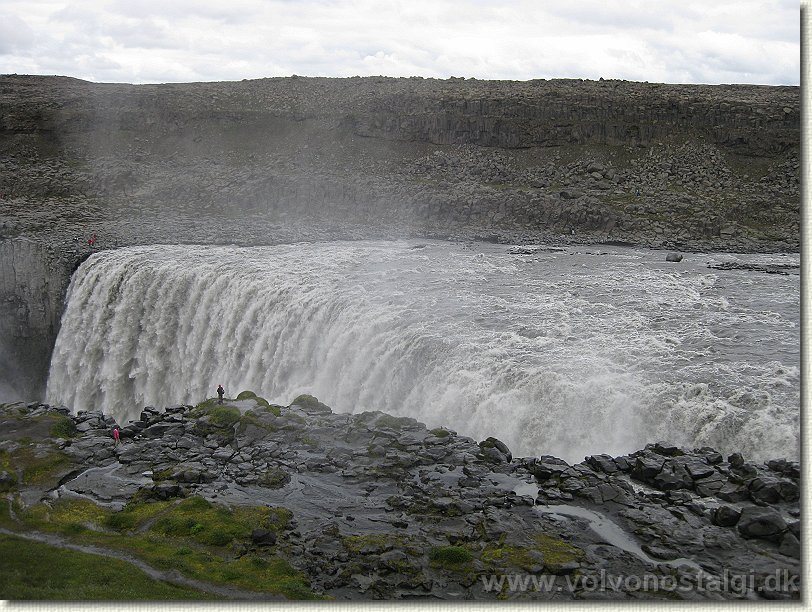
220,393
116,436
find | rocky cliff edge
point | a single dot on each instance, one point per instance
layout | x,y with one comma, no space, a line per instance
251,500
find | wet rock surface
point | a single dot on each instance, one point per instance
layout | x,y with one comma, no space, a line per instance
383,508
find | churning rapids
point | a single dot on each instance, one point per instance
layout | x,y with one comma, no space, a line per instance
569,352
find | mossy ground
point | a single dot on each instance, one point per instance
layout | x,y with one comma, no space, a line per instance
554,552
63,427
306,401
18,425
227,414
41,464
201,540
220,415
35,571
450,557
380,542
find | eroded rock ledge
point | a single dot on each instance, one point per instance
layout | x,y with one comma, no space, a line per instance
370,505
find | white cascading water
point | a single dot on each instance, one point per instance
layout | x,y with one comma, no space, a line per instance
566,353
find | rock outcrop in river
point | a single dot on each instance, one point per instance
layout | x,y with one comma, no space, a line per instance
367,506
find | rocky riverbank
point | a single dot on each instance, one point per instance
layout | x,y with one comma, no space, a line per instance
302,502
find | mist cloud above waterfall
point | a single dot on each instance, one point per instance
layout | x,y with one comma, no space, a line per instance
184,40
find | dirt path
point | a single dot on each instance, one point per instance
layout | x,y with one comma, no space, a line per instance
172,576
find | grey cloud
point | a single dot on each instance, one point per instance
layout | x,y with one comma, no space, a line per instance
602,15
166,40
15,34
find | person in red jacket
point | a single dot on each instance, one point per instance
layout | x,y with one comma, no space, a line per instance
116,435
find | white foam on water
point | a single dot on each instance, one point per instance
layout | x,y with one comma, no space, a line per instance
564,353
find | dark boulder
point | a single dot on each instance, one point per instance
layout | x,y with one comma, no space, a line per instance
784,467
790,546
492,455
7,480
763,523
744,473
571,194
646,467
493,443
548,466
789,491
192,474
710,455
624,463
673,257
726,516
666,449
765,490
131,430
149,413
602,463
161,430
669,481
263,537
711,485
733,493
699,469
164,491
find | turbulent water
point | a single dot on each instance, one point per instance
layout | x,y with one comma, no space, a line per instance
568,352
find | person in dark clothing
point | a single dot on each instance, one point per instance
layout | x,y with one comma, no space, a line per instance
220,393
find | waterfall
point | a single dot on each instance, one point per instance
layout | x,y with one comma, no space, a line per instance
477,342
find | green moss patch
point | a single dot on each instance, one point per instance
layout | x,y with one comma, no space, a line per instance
226,414
306,401
40,465
377,543
274,478
260,418
34,571
64,427
556,552
195,537
17,424
10,481
450,557
393,422
553,552
223,416
5,515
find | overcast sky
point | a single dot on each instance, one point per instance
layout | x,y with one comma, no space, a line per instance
153,41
